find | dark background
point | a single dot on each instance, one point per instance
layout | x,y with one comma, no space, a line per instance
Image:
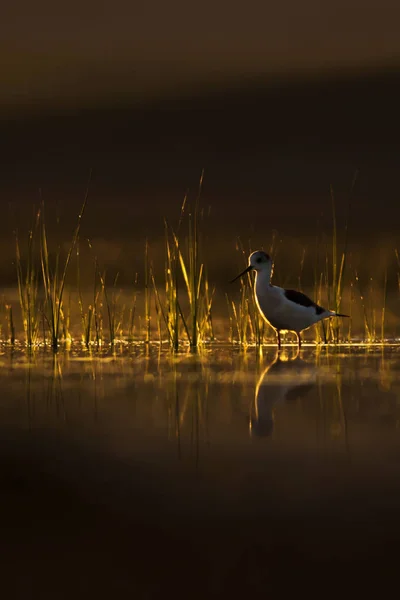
275,104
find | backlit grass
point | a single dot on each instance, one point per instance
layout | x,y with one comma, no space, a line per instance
28,283
178,307
53,279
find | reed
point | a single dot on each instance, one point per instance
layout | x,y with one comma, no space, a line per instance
171,311
54,277
185,305
27,276
339,260
193,278
192,269
147,294
368,324
207,298
230,317
101,296
239,315
338,265
97,307
10,324
132,311
383,314
66,321
86,315
114,323
184,262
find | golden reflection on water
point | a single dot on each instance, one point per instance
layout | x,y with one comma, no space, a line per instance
285,378
203,403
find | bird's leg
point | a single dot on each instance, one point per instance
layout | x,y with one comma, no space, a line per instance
278,335
299,340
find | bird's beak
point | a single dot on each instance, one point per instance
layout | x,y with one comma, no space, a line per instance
243,273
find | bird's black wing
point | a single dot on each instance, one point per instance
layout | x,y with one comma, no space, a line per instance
303,300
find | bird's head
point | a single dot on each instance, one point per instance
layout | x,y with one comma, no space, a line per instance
258,261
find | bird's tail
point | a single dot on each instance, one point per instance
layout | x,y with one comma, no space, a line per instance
335,314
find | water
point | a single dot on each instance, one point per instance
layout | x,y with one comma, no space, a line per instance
139,473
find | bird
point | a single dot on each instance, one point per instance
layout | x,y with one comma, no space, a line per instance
280,382
283,309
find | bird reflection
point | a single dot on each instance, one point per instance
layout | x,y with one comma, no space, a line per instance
284,380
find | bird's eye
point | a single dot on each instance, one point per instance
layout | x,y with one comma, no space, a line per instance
259,259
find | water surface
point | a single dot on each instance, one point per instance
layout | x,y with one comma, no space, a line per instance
135,473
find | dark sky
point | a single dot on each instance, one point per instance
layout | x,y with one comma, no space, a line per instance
276,103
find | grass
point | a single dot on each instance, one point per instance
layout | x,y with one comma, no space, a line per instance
54,277
10,323
189,252
147,293
169,311
28,282
86,314
132,311
186,304
178,307
193,275
111,305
